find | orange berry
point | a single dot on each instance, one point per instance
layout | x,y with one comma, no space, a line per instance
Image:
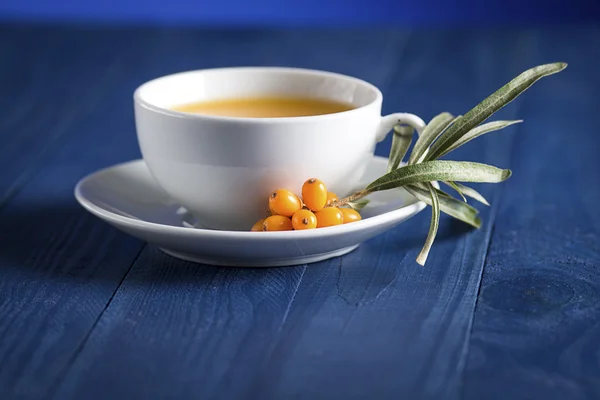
350,215
284,202
304,219
314,194
277,223
257,227
329,216
331,197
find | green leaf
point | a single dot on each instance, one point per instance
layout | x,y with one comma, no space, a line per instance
439,192
401,140
470,192
490,105
359,204
433,129
455,187
439,170
448,205
433,226
478,131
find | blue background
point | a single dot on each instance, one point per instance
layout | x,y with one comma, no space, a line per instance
307,12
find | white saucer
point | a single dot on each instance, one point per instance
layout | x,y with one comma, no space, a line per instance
127,197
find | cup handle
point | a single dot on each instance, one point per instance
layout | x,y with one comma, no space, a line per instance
387,123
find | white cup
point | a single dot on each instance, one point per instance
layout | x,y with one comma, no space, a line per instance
222,169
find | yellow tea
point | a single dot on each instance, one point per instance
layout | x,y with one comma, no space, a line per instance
266,107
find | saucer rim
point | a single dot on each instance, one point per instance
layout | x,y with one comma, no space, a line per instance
399,214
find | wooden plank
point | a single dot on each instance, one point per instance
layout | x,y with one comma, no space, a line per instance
372,323
59,268
537,322
51,80
59,265
187,326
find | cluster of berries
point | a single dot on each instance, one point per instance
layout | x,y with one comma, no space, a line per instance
312,210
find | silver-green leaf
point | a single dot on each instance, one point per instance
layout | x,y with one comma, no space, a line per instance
490,105
479,131
455,187
439,192
470,192
439,170
401,140
448,205
433,129
433,226
358,204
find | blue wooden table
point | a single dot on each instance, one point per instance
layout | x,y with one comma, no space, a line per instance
510,311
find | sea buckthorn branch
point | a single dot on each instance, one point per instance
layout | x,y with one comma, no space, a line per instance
442,135
349,199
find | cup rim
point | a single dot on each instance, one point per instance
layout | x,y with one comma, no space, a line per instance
170,112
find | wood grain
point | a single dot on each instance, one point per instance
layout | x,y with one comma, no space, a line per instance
59,266
183,330
51,80
537,326
371,324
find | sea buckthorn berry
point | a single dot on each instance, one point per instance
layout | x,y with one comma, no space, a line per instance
277,223
284,202
331,197
304,219
314,194
329,216
257,227
350,215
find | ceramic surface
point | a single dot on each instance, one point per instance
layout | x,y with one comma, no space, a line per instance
127,197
